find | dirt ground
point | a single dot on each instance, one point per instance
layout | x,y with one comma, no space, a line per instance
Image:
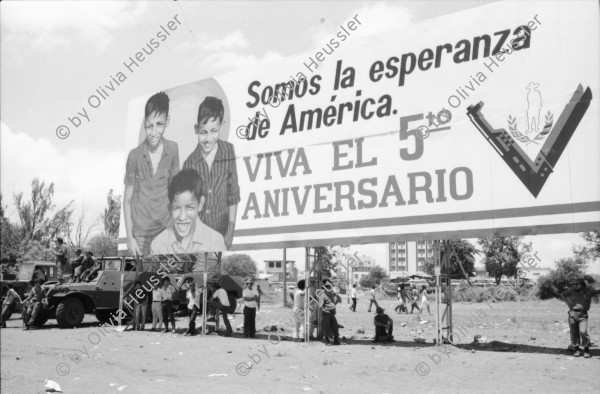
525,350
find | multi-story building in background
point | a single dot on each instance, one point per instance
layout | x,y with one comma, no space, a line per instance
407,258
353,267
274,270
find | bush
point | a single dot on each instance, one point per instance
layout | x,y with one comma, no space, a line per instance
504,292
567,270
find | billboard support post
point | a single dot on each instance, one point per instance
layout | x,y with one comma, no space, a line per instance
284,278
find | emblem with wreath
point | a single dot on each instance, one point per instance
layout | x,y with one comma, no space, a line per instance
524,138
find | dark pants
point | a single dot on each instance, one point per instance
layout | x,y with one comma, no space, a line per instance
330,325
373,302
382,332
353,307
167,312
413,306
216,304
249,321
6,310
192,317
578,324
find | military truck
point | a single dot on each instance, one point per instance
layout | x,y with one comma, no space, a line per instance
29,271
69,302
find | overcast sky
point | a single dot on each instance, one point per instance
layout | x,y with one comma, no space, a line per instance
56,54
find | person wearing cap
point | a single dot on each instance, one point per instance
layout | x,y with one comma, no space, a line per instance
579,299
384,326
77,263
250,296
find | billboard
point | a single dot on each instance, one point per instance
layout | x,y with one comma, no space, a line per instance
462,126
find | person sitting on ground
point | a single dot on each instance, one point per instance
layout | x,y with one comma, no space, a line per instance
579,299
34,301
7,306
76,264
384,326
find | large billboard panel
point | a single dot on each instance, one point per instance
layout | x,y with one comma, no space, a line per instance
473,123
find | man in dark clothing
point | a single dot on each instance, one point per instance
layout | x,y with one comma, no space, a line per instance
77,265
384,326
327,300
579,299
34,302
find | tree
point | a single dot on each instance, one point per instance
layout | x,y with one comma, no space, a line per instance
567,270
239,265
592,249
78,235
34,215
102,245
112,214
377,275
502,255
10,239
465,252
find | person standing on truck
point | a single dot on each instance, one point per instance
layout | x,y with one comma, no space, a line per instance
220,302
167,292
61,258
7,304
251,297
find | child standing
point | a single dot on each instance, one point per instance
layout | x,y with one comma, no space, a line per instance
139,309
215,161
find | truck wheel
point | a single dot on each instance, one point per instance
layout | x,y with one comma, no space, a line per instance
104,315
232,304
69,313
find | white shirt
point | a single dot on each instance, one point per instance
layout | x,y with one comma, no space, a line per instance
221,294
372,294
250,293
167,294
193,299
210,158
157,295
353,293
299,299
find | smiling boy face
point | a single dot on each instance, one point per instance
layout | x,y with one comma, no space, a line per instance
184,212
208,134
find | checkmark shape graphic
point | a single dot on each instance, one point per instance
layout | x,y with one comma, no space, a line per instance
533,174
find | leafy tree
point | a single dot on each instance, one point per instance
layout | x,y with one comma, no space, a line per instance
36,223
10,239
502,255
377,275
112,214
102,245
592,249
78,234
34,250
465,251
239,265
567,270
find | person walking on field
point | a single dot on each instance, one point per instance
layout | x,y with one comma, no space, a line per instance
353,295
425,300
579,299
373,300
414,300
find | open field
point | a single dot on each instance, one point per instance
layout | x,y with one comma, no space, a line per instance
525,351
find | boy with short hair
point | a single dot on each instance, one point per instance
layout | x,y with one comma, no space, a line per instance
220,302
61,258
194,298
579,299
215,161
298,311
157,317
34,302
185,232
167,292
150,168
250,296
353,295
